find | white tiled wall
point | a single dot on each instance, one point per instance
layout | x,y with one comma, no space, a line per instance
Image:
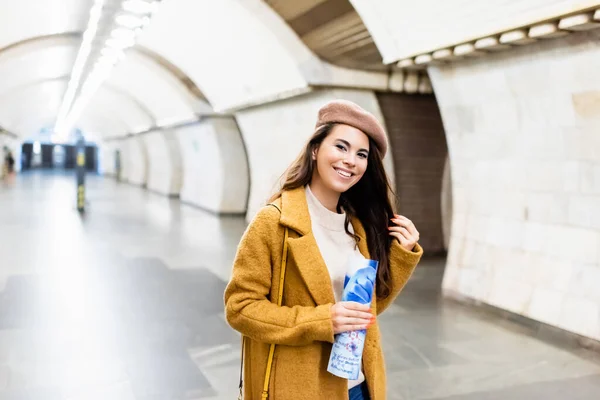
164,164
107,152
134,161
215,172
524,140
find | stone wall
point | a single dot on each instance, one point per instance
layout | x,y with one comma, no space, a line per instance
524,143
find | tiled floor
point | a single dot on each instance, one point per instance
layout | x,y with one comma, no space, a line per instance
125,303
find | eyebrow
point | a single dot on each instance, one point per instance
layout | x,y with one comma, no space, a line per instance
348,144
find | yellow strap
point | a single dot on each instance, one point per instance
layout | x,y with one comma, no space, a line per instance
265,392
283,265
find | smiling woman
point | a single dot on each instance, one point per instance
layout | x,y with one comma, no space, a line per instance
335,206
341,161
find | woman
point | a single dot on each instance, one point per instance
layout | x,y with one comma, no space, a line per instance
335,203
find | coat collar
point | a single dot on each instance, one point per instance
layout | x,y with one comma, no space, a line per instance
304,248
294,211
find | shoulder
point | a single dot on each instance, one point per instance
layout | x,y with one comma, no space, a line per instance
276,204
267,217
263,231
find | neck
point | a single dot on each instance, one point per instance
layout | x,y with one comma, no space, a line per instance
327,197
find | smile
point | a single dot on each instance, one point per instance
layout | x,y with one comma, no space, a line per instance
344,173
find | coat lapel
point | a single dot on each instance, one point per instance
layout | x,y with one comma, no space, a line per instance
304,249
308,259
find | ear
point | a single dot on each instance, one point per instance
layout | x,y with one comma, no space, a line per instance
314,153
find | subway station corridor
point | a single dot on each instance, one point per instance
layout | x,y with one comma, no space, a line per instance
185,116
126,303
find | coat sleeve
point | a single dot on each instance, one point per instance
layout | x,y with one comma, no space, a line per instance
402,265
247,305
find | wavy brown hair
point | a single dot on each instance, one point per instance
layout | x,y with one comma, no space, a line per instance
369,200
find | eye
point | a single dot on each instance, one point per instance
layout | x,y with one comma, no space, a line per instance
362,155
340,146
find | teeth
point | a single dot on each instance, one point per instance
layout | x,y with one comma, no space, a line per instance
344,173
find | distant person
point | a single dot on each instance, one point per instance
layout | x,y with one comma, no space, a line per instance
8,166
9,163
335,202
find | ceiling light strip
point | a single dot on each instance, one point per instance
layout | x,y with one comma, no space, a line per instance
80,61
99,54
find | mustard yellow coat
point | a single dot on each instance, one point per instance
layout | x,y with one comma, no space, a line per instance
302,328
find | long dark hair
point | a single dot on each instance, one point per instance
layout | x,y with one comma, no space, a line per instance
369,200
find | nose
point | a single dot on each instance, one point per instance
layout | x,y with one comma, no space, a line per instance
350,159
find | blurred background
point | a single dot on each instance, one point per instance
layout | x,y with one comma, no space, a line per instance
139,137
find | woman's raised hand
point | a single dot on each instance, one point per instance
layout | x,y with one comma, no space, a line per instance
350,316
404,230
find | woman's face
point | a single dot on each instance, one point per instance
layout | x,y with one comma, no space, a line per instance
341,158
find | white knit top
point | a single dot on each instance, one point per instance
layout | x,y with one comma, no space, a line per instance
336,247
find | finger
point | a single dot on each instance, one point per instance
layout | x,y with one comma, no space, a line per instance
400,238
409,226
401,222
409,236
356,321
356,314
353,305
360,315
402,231
347,312
404,242
401,217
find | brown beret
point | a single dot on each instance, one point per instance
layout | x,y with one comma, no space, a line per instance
348,113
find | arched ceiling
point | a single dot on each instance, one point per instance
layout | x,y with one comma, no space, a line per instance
21,114
111,111
39,41
26,19
188,61
33,60
261,58
167,97
227,64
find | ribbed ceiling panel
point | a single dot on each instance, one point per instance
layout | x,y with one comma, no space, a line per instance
292,9
333,30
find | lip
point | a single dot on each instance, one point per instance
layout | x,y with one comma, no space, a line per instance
346,171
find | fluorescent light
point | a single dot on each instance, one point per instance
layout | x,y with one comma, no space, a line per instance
80,62
130,21
140,6
96,10
111,53
95,60
119,43
123,34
